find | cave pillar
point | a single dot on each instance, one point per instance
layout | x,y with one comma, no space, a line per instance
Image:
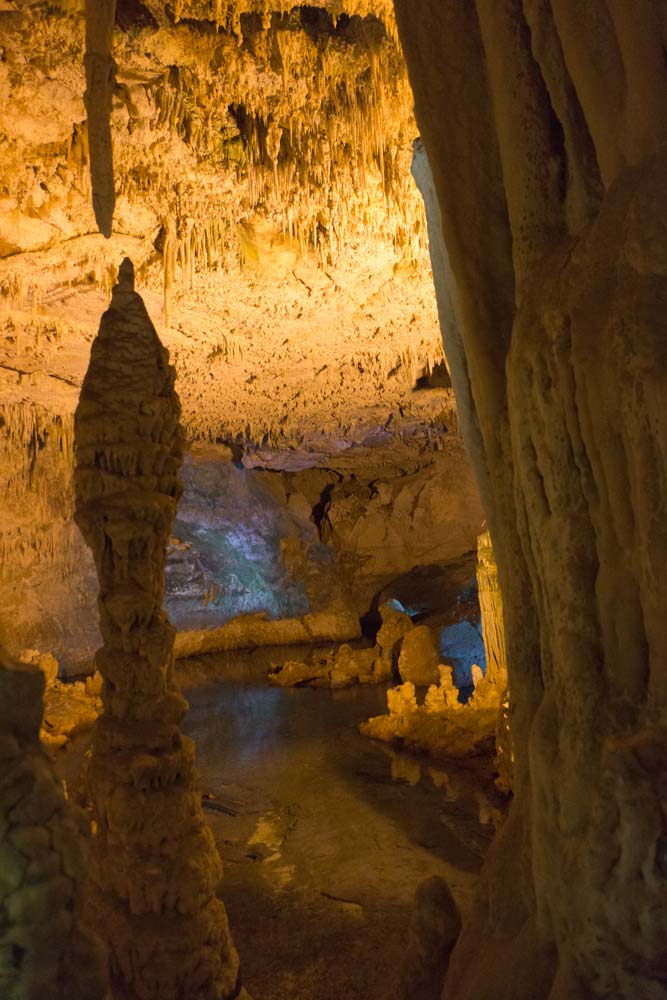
493,633
544,126
155,869
491,607
45,949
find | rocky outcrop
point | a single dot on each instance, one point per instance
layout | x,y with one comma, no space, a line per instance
419,657
155,870
434,928
550,181
45,949
438,724
339,668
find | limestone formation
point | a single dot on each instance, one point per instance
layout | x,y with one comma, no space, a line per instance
261,170
434,928
491,608
100,80
395,626
45,949
338,668
155,870
544,124
438,724
493,630
419,659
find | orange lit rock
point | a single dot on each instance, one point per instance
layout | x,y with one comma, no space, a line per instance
419,658
155,870
555,232
45,949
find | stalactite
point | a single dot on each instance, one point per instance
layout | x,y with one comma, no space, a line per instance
100,77
155,870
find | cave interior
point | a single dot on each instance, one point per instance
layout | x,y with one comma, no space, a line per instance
333,424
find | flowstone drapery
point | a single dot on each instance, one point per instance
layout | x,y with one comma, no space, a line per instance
155,869
544,123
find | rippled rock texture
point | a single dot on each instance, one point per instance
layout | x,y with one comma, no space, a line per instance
155,870
555,234
45,948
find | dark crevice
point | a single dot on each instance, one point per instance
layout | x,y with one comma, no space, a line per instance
133,14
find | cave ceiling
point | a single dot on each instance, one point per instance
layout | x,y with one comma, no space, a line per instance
263,190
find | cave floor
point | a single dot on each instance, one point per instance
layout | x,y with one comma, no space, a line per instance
324,834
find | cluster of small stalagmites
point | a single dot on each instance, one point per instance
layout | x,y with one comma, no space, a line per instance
45,951
155,870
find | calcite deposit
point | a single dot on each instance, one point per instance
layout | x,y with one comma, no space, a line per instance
262,189
45,948
253,160
464,711
154,871
550,183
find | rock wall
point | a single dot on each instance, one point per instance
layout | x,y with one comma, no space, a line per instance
543,124
261,163
45,948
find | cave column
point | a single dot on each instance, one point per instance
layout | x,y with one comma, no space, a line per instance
155,869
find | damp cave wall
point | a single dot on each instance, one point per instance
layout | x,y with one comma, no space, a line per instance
544,123
261,172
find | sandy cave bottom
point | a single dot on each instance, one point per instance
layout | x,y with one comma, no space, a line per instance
324,834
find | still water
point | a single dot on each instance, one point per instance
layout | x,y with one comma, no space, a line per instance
324,834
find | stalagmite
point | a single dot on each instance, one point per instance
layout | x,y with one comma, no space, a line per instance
100,79
155,869
45,951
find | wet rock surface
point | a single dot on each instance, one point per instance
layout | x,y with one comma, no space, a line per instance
325,835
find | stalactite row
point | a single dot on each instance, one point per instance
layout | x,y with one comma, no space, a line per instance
226,14
36,452
314,131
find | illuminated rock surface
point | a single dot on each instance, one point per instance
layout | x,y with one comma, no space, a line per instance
263,193
253,160
45,950
555,232
154,869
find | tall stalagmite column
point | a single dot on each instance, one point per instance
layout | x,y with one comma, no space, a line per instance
155,869
44,950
